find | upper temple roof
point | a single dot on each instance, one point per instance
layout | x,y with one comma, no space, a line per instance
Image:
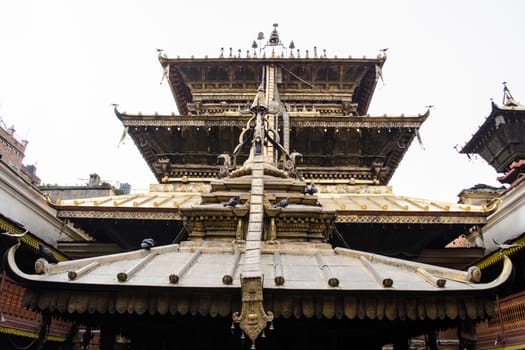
318,105
341,85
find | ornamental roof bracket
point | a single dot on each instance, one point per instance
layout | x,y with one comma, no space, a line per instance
261,134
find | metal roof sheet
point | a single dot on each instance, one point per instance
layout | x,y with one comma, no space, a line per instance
293,266
341,202
161,200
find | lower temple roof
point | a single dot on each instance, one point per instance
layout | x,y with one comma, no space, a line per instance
127,282
351,200
257,249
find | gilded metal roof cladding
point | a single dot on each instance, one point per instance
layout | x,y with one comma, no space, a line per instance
364,199
144,200
286,267
146,206
182,278
370,206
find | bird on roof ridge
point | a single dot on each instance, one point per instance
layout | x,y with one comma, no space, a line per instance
233,201
310,189
147,243
283,203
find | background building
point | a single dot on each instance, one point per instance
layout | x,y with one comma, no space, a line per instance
500,141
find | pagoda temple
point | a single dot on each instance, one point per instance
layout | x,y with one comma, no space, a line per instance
500,141
272,225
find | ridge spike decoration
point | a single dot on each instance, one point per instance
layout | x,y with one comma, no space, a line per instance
273,41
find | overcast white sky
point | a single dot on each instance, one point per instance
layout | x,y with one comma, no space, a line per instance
62,63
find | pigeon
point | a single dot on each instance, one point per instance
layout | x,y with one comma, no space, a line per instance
504,246
147,243
233,202
45,253
283,203
310,189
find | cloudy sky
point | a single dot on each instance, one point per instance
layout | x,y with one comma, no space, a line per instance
63,63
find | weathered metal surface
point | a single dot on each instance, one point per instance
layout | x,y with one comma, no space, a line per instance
299,261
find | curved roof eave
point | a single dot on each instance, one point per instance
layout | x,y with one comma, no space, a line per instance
204,266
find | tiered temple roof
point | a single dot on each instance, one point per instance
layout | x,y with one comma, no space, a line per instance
262,237
323,104
500,141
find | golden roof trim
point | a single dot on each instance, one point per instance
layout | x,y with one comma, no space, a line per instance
151,200
498,255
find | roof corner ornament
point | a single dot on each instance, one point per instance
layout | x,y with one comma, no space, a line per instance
508,100
165,165
382,54
226,167
291,164
253,319
379,74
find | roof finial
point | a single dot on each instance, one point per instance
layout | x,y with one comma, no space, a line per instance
291,47
274,36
